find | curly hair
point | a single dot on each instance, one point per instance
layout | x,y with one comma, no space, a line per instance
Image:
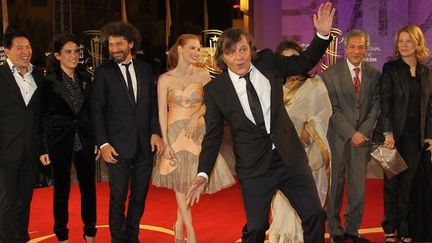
125,30
227,42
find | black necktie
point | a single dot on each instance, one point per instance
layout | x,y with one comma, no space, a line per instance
254,103
129,80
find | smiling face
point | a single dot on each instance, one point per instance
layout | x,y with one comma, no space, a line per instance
20,53
238,58
120,49
190,51
355,50
68,57
405,45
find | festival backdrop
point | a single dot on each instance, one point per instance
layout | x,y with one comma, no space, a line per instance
380,18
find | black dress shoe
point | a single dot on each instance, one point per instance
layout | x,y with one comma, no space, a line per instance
355,238
337,239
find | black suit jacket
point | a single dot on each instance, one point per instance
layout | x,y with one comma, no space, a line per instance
59,120
18,123
116,118
394,93
252,145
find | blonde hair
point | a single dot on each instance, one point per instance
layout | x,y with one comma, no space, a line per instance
173,55
417,37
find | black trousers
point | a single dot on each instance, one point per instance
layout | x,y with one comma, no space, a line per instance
298,185
397,191
134,173
85,169
17,179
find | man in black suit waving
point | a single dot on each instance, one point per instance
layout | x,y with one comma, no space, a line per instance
269,154
125,122
21,87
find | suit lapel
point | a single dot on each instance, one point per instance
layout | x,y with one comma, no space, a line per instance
404,73
347,81
275,89
425,86
119,76
10,79
37,77
60,88
365,82
83,86
232,96
139,77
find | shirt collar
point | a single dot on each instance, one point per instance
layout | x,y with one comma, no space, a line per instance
14,69
351,66
235,76
120,64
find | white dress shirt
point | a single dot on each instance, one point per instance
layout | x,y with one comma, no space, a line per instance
352,72
134,81
133,76
262,87
25,82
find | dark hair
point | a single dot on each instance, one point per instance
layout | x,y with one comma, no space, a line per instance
12,33
288,44
125,30
56,46
60,40
173,51
227,41
291,44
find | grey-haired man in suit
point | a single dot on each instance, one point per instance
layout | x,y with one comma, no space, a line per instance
353,87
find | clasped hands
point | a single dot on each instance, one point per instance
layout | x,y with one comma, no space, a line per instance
358,139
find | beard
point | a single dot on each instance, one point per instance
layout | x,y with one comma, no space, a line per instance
120,56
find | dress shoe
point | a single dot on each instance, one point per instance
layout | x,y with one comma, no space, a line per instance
355,238
405,239
337,239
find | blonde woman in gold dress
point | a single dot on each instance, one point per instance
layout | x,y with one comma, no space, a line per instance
181,110
308,105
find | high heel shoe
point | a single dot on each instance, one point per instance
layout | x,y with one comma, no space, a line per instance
390,237
406,239
89,239
177,240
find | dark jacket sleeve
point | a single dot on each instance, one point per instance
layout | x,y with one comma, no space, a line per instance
386,94
367,126
428,123
98,107
214,134
294,65
45,109
154,118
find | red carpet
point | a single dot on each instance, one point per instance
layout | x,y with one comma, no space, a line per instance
218,218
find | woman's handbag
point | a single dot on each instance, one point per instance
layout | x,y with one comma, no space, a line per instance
389,159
